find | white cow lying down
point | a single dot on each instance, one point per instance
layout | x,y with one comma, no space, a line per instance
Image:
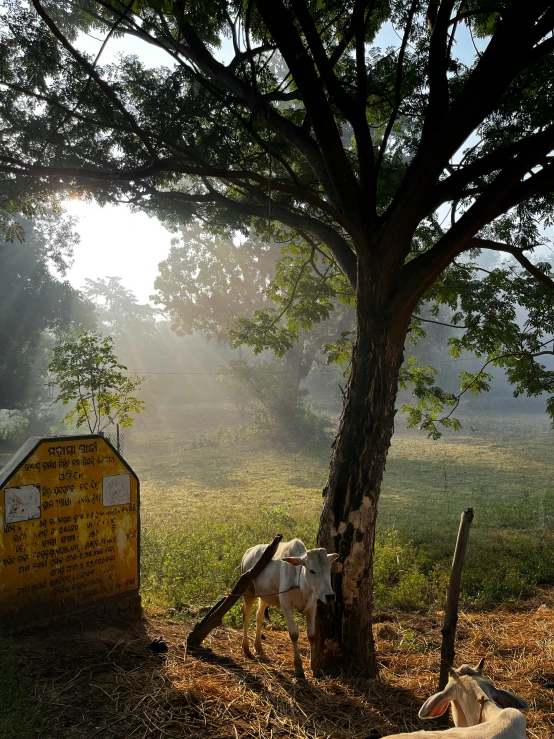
479,710
295,578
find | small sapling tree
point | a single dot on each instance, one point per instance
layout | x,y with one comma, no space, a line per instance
86,372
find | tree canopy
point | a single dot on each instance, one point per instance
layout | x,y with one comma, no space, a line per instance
208,281
415,156
34,299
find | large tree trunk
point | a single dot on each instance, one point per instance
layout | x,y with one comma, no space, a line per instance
347,524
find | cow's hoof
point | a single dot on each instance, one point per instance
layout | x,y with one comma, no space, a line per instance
300,675
317,674
247,653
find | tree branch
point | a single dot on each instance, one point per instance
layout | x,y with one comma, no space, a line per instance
506,355
89,69
65,108
502,193
439,323
39,170
292,295
417,275
197,52
346,189
341,99
517,254
539,51
452,187
337,245
480,95
438,61
242,56
200,169
537,184
198,55
347,36
315,248
398,86
361,71
352,110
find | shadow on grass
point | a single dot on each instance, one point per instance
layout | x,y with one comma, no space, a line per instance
224,661
87,674
333,704
19,715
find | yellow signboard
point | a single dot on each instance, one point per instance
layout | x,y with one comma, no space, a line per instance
69,527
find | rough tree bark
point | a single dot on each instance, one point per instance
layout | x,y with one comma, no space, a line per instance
347,524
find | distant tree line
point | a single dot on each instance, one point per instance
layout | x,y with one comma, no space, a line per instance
36,304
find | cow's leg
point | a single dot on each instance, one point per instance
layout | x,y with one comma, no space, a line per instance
262,605
310,628
288,612
247,603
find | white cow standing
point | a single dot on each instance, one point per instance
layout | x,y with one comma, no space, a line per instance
295,578
479,710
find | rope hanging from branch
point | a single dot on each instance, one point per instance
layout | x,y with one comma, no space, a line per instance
270,174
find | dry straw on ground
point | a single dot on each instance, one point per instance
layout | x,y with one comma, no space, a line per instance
93,680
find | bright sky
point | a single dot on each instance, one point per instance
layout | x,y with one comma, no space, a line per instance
116,242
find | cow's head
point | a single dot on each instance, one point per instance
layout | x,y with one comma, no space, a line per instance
468,692
317,571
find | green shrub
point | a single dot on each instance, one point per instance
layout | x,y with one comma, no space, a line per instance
400,573
33,422
507,567
498,568
193,569
14,432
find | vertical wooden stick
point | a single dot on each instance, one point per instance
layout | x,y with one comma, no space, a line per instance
451,615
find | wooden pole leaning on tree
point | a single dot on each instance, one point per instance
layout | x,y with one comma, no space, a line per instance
451,615
214,617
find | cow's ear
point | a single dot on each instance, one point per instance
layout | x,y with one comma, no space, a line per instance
480,666
332,558
434,706
504,699
296,561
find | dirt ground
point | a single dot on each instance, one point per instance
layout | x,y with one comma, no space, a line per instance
93,679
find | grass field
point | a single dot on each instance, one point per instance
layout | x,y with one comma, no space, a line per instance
207,495
206,498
